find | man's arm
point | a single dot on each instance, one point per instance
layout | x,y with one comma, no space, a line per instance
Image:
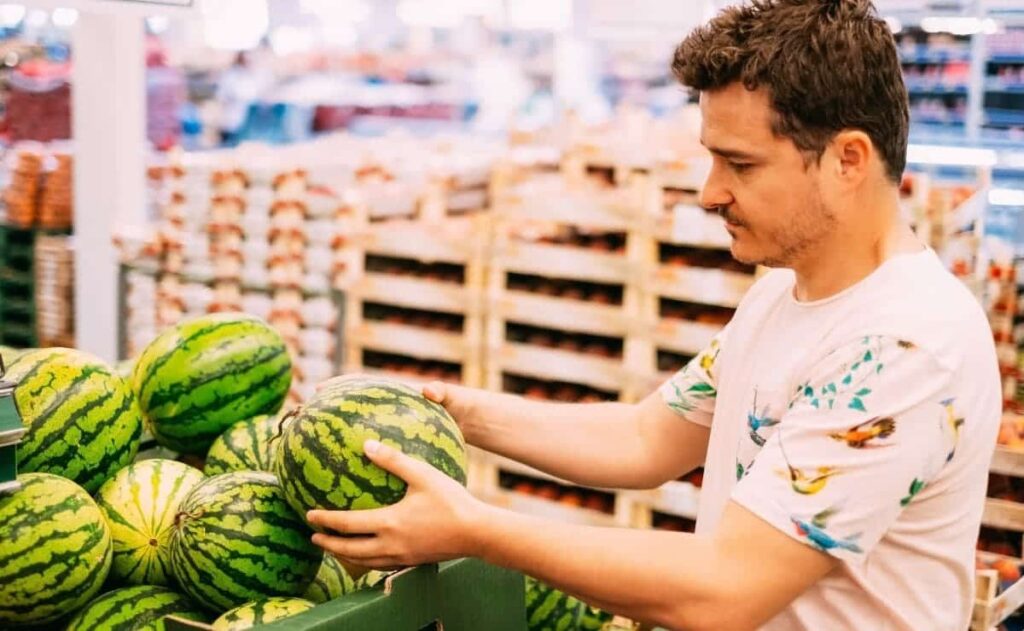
738,579
609,445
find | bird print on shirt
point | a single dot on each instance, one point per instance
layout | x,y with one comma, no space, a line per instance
814,531
804,482
863,435
954,423
757,421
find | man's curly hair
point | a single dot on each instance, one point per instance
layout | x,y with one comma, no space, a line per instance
828,65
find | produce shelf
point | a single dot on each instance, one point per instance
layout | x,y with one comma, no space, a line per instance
1003,514
417,293
539,507
411,340
565,262
560,313
557,365
1008,462
700,285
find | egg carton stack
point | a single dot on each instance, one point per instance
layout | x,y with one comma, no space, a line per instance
54,291
228,203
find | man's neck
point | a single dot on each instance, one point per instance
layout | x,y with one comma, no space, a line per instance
853,254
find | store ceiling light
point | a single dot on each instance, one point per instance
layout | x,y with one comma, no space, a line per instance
234,24
11,15
955,25
1006,197
37,18
65,18
158,24
950,156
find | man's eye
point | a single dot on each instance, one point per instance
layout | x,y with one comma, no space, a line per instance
740,167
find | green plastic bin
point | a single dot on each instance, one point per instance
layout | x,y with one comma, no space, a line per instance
461,595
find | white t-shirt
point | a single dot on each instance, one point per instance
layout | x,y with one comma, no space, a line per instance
863,425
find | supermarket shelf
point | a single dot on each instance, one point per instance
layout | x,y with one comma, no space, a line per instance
565,262
665,231
925,55
560,313
681,336
604,210
1008,462
558,365
540,507
1006,59
996,85
937,89
416,293
1004,117
1003,514
700,285
450,242
410,340
991,610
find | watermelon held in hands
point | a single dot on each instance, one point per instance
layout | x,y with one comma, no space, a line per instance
320,459
140,608
331,582
140,503
245,446
236,539
261,612
54,550
197,379
82,418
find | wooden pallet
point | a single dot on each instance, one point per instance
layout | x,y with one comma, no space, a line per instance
991,608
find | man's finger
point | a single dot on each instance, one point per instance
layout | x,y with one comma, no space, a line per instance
411,470
354,548
436,391
353,522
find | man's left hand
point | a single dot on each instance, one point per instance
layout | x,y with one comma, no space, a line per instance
437,520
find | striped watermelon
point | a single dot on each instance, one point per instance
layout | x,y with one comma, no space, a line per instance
371,579
140,608
331,582
261,612
548,609
245,446
54,550
195,380
83,423
236,539
140,503
320,459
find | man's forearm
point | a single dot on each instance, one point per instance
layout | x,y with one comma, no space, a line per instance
665,578
595,444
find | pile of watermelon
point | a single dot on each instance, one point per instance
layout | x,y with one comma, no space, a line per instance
98,537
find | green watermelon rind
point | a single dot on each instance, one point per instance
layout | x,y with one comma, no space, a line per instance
55,550
82,418
196,379
245,446
140,504
261,612
320,458
331,581
138,608
238,540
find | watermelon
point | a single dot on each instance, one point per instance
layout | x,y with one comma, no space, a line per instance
54,550
236,540
331,582
245,446
197,379
548,609
10,353
320,459
371,579
83,422
140,608
140,504
261,612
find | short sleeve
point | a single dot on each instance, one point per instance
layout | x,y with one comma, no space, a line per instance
872,424
691,392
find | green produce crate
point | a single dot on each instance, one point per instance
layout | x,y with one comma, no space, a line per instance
17,334
462,595
11,431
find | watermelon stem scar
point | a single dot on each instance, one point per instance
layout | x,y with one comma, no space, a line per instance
292,413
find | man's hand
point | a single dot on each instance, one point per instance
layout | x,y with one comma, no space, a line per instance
435,521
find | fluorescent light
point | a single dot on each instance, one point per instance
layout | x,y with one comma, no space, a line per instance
287,40
65,18
1006,197
894,24
959,25
950,156
11,15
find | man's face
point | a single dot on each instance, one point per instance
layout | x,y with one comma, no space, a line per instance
769,195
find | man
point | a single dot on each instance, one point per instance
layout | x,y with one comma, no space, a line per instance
845,418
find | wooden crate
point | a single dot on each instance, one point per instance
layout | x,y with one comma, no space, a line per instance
991,607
